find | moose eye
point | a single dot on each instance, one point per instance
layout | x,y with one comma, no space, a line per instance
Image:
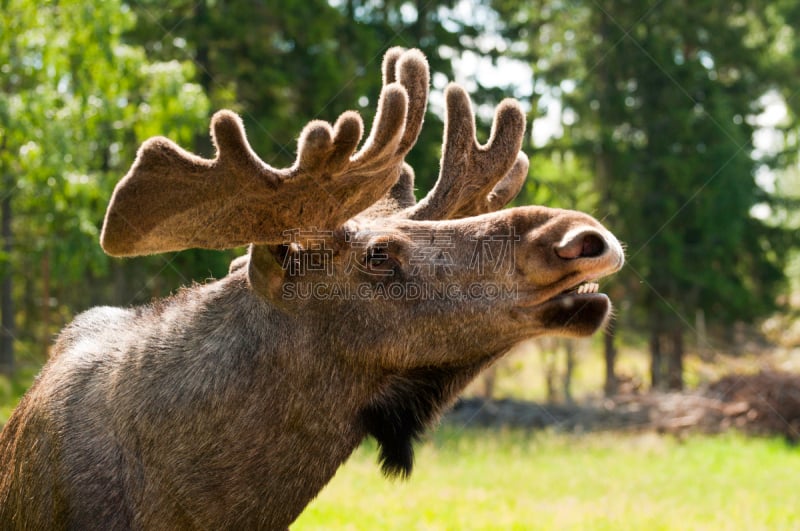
384,256
377,257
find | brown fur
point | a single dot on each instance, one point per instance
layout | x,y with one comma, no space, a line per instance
231,404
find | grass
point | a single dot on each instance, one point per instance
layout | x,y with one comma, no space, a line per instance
485,480
513,480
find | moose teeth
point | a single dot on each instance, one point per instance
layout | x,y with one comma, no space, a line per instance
589,287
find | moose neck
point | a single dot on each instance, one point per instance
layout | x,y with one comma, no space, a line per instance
271,416
295,419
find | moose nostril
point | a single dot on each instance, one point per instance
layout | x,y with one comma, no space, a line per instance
587,245
593,246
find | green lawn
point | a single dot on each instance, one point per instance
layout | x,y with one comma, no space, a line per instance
509,480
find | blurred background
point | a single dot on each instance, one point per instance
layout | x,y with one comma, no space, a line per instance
674,122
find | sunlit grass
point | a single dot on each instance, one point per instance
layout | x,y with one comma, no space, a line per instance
483,479
512,480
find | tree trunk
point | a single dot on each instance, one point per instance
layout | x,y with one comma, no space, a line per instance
121,295
610,386
700,326
550,363
202,52
569,369
202,57
45,337
656,362
605,174
675,361
27,306
418,29
6,300
489,378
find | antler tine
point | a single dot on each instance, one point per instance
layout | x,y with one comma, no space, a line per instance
410,69
412,72
388,68
475,179
173,200
509,186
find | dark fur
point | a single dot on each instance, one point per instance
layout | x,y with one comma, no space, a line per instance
410,404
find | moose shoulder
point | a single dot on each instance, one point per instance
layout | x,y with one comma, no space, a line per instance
356,312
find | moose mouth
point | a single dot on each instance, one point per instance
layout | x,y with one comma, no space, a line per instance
583,292
582,289
586,289
578,311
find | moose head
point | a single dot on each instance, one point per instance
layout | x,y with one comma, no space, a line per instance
356,311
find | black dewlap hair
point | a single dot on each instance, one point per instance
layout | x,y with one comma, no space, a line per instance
410,405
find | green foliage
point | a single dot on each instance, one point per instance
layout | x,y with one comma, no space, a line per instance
560,179
658,101
78,101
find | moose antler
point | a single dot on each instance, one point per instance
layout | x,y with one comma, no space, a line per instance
475,179
236,198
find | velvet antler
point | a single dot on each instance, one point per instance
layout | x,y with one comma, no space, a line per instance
172,200
475,179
